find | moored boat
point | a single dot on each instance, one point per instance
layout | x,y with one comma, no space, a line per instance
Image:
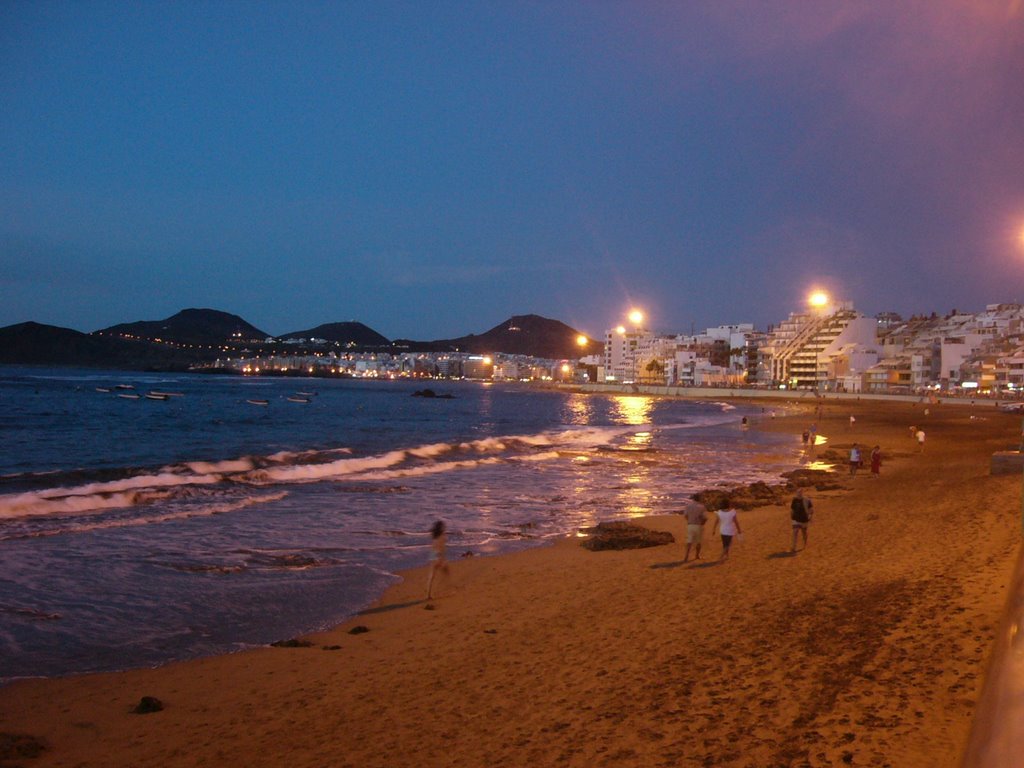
258,402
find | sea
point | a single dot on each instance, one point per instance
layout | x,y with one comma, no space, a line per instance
231,512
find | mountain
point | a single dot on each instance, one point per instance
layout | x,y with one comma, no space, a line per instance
190,326
37,344
197,335
350,333
531,335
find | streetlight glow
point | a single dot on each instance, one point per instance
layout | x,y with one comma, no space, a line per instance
636,316
581,340
818,299
620,330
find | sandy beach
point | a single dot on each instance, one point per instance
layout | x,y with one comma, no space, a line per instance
868,648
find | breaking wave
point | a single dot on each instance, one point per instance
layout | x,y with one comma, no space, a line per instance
134,487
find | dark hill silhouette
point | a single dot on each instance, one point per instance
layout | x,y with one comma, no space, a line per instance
352,332
191,326
530,335
198,335
38,344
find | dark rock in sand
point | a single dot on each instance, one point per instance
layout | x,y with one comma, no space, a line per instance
761,494
293,643
624,535
14,746
819,479
147,705
358,630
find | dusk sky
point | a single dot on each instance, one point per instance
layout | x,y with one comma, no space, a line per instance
431,168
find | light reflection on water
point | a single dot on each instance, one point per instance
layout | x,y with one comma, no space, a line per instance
579,409
632,409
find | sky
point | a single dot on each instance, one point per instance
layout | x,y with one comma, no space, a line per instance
432,168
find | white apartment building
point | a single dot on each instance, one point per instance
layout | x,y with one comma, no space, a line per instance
799,351
623,350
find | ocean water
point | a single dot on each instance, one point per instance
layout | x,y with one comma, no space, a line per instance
137,531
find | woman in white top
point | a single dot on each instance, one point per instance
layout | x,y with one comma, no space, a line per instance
729,523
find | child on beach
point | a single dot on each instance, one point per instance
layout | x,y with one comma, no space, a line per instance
438,541
729,523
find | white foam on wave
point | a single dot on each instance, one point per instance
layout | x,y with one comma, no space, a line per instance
164,517
288,467
432,450
34,505
546,456
220,467
429,469
299,473
97,497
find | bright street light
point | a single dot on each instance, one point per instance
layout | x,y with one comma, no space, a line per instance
581,340
818,300
636,316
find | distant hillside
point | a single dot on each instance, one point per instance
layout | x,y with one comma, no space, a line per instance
38,344
197,335
191,326
531,335
349,333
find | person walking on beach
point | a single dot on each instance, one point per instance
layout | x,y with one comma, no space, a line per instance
920,439
854,459
729,524
853,420
801,511
696,516
438,541
876,461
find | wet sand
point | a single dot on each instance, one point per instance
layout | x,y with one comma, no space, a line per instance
867,648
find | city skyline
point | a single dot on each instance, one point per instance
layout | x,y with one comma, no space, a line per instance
432,170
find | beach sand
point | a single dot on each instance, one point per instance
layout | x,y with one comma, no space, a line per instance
867,648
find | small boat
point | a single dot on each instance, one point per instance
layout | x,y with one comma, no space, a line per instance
102,389
297,399
124,386
157,396
129,396
258,402
166,394
305,394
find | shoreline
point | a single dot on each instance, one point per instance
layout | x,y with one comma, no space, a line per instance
870,643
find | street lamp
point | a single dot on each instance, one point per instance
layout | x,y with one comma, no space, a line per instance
636,317
818,301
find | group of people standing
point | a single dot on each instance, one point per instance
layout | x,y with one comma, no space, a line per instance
727,524
857,461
